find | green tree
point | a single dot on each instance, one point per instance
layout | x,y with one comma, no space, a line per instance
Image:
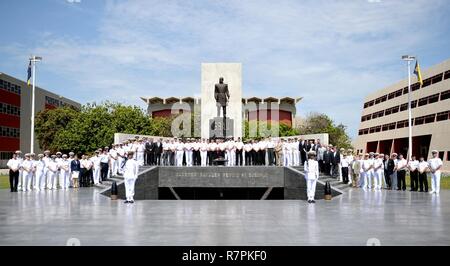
93,126
316,123
254,129
51,121
161,126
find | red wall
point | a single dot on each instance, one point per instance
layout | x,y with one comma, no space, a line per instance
9,97
49,106
6,143
165,113
266,115
9,144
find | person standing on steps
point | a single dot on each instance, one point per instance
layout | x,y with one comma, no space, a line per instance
311,168
130,174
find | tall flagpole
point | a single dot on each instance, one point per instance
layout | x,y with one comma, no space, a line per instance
33,59
409,113
408,59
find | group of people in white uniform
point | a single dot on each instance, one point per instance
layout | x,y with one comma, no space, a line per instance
44,171
60,171
377,171
205,152
368,171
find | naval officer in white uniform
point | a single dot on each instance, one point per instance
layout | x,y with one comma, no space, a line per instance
130,174
435,165
312,174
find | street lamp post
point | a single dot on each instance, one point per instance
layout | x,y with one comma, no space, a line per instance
33,60
408,59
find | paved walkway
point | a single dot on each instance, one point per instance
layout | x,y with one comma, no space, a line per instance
395,218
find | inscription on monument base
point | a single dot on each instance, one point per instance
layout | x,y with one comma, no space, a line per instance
216,128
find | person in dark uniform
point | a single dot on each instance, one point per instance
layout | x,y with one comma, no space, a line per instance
14,166
149,152
401,172
158,149
423,169
302,147
335,161
327,161
388,166
413,167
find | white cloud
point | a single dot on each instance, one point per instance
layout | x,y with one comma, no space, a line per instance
331,53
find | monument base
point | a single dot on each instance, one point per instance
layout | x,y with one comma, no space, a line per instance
219,129
246,182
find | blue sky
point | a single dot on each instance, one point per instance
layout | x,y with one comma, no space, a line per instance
332,53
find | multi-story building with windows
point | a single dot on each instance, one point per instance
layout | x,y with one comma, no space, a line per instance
384,119
15,114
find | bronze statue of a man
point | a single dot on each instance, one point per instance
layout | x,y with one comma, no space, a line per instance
222,96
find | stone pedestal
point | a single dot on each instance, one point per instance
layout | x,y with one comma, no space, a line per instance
217,129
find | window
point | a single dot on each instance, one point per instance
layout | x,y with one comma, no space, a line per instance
404,107
436,79
378,114
426,82
383,98
429,118
448,156
415,86
395,109
9,132
367,117
5,155
402,124
441,155
433,98
387,127
8,86
9,109
445,95
405,90
388,111
399,93
413,104
52,101
423,101
447,74
391,95
372,130
363,131
419,120
368,104
442,116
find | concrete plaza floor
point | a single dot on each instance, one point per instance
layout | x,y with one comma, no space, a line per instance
394,218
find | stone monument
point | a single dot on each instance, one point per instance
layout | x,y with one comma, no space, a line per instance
225,96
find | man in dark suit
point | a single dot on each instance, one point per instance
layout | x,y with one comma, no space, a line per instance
149,152
302,147
327,160
388,165
335,161
158,148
